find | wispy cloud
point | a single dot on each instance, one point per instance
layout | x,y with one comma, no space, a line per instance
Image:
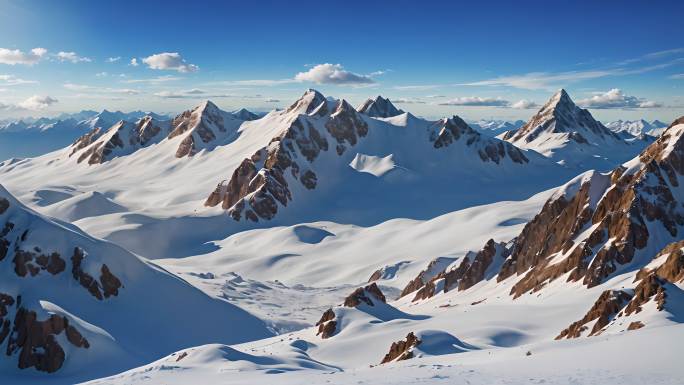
13,57
408,101
113,59
94,89
524,104
554,80
11,80
154,80
476,101
418,87
677,77
72,57
194,93
615,98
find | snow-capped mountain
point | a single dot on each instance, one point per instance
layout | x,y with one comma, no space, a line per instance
379,108
637,127
79,305
568,134
25,138
603,256
496,127
396,159
356,239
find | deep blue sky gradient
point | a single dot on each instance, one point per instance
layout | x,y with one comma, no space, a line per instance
419,43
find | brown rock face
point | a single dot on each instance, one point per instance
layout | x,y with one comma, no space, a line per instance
650,286
468,273
363,295
402,350
456,129
604,310
107,286
261,183
35,340
30,262
199,125
635,325
326,325
97,146
590,240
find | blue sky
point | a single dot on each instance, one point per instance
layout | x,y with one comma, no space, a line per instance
484,59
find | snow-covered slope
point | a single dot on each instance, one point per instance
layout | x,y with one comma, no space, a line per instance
380,249
569,135
315,156
637,127
83,307
304,170
379,108
26,138
496,127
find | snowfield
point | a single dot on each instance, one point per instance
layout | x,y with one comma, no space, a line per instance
402,250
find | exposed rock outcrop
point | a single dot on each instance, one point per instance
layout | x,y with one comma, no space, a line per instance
35,341
327,324
402,350
262,182
447,131
600,222
472,269
603,311
368,295
379,108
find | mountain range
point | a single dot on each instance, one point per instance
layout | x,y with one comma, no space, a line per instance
328,243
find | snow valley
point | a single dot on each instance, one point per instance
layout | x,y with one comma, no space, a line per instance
327,243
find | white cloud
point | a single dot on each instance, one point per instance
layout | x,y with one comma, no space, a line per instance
552,81
84,88
12,57
421,87
476,101
37,102
677,76
332,74
155,80
113,59
407,101
615,98
271,100
101,74
524,104
194,93
11,80
72,57
134,62
169,61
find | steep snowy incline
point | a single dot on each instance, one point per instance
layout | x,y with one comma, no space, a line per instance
379,108
307,163
305,172
78,307
569,135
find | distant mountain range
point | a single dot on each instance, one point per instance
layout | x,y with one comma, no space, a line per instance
324,239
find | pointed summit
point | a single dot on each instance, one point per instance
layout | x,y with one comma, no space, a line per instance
379,108
245,114
311,101
569,134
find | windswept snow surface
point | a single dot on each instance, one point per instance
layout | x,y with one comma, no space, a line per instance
204,295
